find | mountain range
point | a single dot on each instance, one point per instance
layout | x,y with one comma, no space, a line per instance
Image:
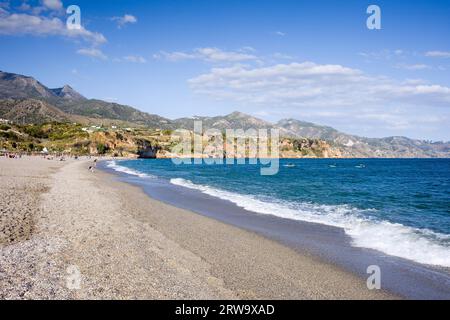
23,99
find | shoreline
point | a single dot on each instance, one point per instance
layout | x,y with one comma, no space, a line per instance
330,244
127,245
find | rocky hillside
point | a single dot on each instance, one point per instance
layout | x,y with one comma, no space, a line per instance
15,86
34,111
67,93
355,146
98,109
74,139
235,120
299,128
69,101
26,111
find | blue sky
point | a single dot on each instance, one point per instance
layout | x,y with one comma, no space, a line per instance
311,60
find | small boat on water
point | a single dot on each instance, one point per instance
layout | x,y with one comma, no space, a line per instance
332,166
290,165
360,166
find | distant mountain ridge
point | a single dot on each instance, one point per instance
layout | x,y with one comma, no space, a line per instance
107,110
355,146
232,121
68,94
24,99
15,86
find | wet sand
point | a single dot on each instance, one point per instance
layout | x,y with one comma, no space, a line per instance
67,233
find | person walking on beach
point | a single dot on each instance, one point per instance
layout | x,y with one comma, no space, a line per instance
93,166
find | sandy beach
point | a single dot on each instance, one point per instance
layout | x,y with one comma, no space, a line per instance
61,224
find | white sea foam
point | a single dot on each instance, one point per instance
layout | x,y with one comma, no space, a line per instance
420,245
113,165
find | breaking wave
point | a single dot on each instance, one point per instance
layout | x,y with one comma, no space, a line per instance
420,245
113,165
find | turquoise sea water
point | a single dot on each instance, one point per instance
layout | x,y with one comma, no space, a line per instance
398,207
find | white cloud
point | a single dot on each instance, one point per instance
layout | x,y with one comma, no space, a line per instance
413,67
122,21
24,6
247,49
93,53
282,56
39,25
385,54
209,54
438,54
327,89
135,59
173,56
414,81
279,33
214,54
52,4
397,120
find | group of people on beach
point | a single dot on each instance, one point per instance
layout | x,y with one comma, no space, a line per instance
11,155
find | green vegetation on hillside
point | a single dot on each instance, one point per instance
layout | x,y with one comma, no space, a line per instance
75,139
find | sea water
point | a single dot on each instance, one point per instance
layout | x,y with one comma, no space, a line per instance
400,207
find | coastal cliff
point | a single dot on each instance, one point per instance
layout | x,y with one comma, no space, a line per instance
143,143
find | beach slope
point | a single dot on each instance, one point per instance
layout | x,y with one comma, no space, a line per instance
68,233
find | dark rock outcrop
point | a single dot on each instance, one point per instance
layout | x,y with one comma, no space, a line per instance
147,151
